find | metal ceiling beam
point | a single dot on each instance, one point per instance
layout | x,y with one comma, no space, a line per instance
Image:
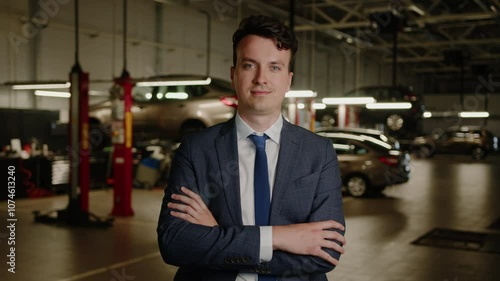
324,15
441,59
420,22
330,32
443,43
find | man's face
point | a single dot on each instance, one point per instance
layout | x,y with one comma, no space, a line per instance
260,76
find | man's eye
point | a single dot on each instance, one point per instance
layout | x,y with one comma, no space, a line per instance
275,68
247,65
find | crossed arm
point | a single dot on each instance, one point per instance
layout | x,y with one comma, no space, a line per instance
301,239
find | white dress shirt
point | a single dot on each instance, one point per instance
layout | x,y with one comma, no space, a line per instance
246,158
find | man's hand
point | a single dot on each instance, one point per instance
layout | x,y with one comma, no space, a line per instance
309,239
192,209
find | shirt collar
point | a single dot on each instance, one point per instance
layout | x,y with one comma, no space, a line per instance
243,130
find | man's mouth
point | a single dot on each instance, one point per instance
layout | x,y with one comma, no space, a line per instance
260,92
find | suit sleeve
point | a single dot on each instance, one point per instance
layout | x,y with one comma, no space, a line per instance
327,205
185,244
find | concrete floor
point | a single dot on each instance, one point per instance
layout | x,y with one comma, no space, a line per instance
448,192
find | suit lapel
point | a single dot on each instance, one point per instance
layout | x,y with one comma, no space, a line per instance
227,152
289,148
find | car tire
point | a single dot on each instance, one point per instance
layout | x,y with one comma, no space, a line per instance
424,151
357,185
327,121
394,122
478,153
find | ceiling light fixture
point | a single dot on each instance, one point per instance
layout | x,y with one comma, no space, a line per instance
174,83
35,86
389,105
348,101
473,114
52,94
300,94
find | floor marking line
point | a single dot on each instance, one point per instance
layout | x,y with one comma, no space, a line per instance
110,267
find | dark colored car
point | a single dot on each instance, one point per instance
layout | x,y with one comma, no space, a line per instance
173,110
368,164
398,122
473,140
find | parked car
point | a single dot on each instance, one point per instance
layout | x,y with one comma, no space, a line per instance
399,122
473,140
171,111
362,131
368,164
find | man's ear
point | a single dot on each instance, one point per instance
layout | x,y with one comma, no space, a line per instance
290,75
232,76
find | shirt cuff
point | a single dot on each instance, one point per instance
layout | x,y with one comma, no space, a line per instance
266,243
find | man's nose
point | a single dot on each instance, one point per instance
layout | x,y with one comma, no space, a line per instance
260,76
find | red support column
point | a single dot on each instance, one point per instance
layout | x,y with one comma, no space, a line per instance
79,150
84,166
122,152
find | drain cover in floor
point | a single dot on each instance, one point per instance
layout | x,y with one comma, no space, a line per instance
462,240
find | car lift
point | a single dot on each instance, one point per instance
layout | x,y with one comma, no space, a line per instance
77,211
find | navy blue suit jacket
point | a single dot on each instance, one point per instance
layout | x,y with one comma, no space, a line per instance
307,188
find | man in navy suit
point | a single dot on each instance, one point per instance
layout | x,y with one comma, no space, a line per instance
210,224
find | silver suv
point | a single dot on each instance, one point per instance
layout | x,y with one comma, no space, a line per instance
171,110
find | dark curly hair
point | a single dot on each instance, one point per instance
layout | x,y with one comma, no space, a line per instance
267,27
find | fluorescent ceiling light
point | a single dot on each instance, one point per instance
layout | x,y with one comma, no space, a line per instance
52,94
319,105
427,114
41,86
176,95
301,106
347,101
473,114
389,105
300,94
174,83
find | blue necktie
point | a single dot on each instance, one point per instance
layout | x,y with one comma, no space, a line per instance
262,201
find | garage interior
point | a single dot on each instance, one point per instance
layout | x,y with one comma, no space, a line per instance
442,224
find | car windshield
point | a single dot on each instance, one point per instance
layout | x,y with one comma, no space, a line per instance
369,133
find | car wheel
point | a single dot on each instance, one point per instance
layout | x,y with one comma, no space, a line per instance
327,121
357,186
478,153
394,122
424,151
